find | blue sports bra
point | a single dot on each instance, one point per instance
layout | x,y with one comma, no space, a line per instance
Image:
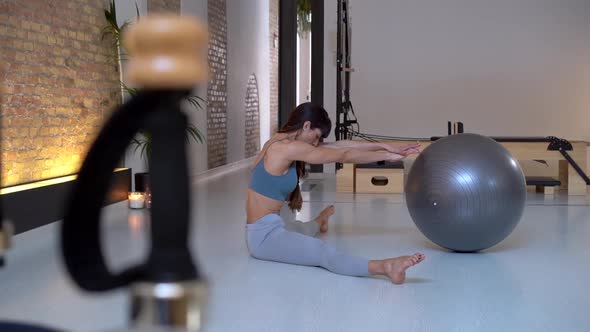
273,186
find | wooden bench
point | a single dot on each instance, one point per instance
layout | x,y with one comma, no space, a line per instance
543,184
380,178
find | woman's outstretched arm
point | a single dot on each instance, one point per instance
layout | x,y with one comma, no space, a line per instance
300,151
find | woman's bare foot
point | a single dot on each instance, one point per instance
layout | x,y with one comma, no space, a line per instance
323,218
395,268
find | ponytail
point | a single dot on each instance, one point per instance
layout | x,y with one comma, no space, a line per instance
295,198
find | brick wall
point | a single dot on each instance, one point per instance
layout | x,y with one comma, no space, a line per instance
217,86
252,124
61,82
274,65
164,6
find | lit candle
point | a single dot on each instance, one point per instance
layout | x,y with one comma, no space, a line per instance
136,200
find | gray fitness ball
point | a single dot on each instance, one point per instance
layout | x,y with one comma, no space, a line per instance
465,192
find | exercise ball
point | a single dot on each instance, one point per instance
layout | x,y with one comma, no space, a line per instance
465,192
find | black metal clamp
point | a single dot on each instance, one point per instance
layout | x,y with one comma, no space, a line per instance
167,290
562,145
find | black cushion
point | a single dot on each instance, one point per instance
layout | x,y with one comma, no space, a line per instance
546,181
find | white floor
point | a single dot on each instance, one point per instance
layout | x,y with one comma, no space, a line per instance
535,280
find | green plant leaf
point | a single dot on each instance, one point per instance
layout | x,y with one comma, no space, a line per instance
129,90
194,133
142,152
303,16
111,17
138,146
196,101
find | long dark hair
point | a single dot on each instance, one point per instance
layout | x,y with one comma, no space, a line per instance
318,117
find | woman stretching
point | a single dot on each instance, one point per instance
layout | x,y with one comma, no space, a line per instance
275,179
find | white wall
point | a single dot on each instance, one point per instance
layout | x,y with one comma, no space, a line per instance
303,69
126,10
248,52
197,152
504,67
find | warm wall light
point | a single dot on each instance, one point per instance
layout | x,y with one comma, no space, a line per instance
42,183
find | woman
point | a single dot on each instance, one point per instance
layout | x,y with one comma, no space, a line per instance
275,179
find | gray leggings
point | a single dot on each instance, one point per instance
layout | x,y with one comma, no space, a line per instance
271,238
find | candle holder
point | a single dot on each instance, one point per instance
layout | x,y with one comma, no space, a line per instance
136,200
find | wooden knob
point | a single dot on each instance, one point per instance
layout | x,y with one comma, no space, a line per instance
166,52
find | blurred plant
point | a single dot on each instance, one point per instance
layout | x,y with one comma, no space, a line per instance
303,17
113,29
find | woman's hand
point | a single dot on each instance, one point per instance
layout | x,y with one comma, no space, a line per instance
404,150
394,157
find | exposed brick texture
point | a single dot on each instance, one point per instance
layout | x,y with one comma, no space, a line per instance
170,6
274,65
61,82
217,87
252,118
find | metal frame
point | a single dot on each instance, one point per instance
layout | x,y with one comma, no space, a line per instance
287,58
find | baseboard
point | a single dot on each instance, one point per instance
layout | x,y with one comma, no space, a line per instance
222,170
33,205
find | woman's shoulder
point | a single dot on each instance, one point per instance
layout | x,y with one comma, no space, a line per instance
274,145
287,143
278,140
291,150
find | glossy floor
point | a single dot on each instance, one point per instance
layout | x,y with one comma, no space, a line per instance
535,280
